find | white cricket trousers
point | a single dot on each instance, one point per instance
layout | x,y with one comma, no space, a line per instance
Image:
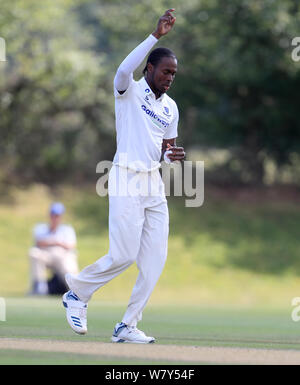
138,232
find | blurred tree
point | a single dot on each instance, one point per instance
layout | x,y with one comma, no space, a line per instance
239,82
53,103
236,86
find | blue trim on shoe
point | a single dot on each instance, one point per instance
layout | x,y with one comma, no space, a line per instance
76,321
119,329
72,295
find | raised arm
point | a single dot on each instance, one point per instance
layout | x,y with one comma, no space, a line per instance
131,63
135,58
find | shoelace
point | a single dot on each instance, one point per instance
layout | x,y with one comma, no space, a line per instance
82,313
134,329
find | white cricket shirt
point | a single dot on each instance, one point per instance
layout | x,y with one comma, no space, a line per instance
142,122
63,233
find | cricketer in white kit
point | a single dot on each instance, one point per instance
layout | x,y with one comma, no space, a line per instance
146,125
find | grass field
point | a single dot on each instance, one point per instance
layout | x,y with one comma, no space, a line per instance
233,269
43,319
225,252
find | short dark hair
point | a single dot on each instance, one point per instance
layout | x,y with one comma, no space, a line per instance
157,54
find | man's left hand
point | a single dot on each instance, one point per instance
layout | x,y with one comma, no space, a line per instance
176,154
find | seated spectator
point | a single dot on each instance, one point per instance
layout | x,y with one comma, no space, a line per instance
55,249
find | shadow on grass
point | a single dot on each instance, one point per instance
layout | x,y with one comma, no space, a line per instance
6,196
92,211
261,238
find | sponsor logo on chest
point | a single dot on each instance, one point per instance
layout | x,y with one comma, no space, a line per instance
156,118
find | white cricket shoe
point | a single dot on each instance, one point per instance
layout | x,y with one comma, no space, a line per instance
76,312
130,334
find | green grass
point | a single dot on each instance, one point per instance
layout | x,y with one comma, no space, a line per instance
232,271
23,357
224,252
44,318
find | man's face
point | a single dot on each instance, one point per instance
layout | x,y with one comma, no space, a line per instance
55,220
162,75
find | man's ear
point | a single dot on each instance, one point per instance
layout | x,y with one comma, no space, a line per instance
150,68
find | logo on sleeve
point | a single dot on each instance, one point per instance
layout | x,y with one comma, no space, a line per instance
167,111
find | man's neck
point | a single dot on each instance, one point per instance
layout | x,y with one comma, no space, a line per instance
154,90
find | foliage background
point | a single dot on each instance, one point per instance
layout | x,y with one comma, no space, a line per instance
236,87
237,92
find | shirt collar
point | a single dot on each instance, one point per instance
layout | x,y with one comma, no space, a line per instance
147,90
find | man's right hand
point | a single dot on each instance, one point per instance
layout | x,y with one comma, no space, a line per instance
165,24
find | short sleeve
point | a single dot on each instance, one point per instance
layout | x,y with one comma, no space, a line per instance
172,130
40,231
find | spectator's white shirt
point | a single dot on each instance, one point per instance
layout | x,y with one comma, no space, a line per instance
63,233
